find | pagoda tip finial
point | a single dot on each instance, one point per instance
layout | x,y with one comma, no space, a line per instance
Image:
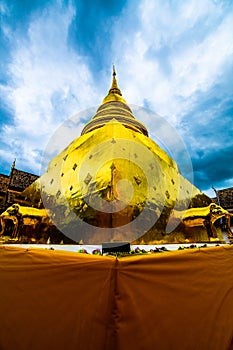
114,89
113,70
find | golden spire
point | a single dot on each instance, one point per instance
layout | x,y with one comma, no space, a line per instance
114,93
115,107
114,88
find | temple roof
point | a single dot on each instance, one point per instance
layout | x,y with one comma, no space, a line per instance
115,106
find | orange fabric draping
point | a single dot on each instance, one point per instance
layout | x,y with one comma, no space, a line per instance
62,300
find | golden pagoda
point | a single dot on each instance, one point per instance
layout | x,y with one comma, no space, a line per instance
114,183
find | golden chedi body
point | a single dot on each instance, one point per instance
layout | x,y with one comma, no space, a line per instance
115,183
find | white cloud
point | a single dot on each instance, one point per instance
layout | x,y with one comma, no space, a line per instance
49,82
176,50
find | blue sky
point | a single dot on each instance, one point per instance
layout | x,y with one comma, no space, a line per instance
173,57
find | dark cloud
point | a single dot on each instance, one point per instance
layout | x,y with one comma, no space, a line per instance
215,167
208,135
